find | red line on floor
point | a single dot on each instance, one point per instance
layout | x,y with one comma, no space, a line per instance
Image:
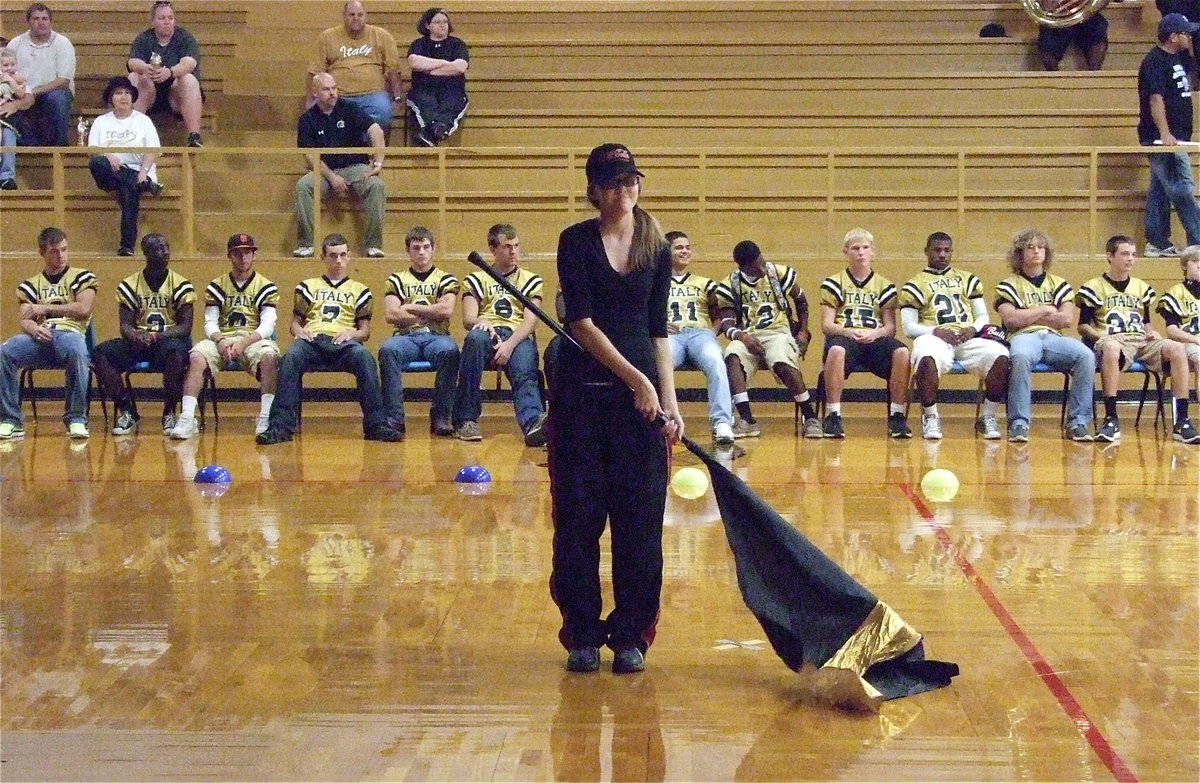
1070,705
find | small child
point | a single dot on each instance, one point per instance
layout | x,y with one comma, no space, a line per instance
12,89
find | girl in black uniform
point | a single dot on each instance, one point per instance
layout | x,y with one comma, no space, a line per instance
608,443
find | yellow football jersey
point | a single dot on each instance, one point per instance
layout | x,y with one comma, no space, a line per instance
425,288
155,310
1023,293
942,299
759,307
64,288
1117,311
240,305
858,304
331,308
496,306
1182,305
687,303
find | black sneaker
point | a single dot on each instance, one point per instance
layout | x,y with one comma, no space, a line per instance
1110,431
193,140
1184,432
271,436
383,432
583,659
832,428
536,436
8,184
441,427
125,251
628,660
898,426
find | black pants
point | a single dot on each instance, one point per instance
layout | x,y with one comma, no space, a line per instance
124,182
606,463
437,108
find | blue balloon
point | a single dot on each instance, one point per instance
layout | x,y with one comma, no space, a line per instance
473,474
213,474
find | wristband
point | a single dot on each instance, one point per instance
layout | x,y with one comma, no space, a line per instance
732,332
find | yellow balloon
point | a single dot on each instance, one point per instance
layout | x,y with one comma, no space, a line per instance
689,483
940,485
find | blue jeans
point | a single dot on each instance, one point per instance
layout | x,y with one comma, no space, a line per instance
522,372
48,121
377,105
67,350
8,160
440,350
1061,353
701,349
322,354
1171,185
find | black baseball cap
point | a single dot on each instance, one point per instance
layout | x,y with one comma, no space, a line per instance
240,240
609,161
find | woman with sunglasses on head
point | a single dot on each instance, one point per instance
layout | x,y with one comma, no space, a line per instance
164,64
612,420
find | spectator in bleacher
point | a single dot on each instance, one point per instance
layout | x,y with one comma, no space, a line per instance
764,313
13,95
858,319
47,59
691,337
1090,35
55,312
330,325
332,122
129,174
439,61
364,60
500,332
164,64
1035,306
1165,117
155,308
419,302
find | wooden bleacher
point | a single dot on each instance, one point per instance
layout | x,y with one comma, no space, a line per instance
786,122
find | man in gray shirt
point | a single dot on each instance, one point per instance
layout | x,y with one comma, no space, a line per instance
47,59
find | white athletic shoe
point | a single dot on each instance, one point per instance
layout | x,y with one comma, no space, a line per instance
261,423
186,427
722,433
931,426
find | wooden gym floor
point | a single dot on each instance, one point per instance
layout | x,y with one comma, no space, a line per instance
345,613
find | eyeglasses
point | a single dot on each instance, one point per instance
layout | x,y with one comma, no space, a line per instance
623,181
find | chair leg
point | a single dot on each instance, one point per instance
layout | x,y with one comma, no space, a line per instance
818,396
208,392
978,406
27,390
1062,410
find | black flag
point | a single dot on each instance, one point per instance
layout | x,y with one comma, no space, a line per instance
819,620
